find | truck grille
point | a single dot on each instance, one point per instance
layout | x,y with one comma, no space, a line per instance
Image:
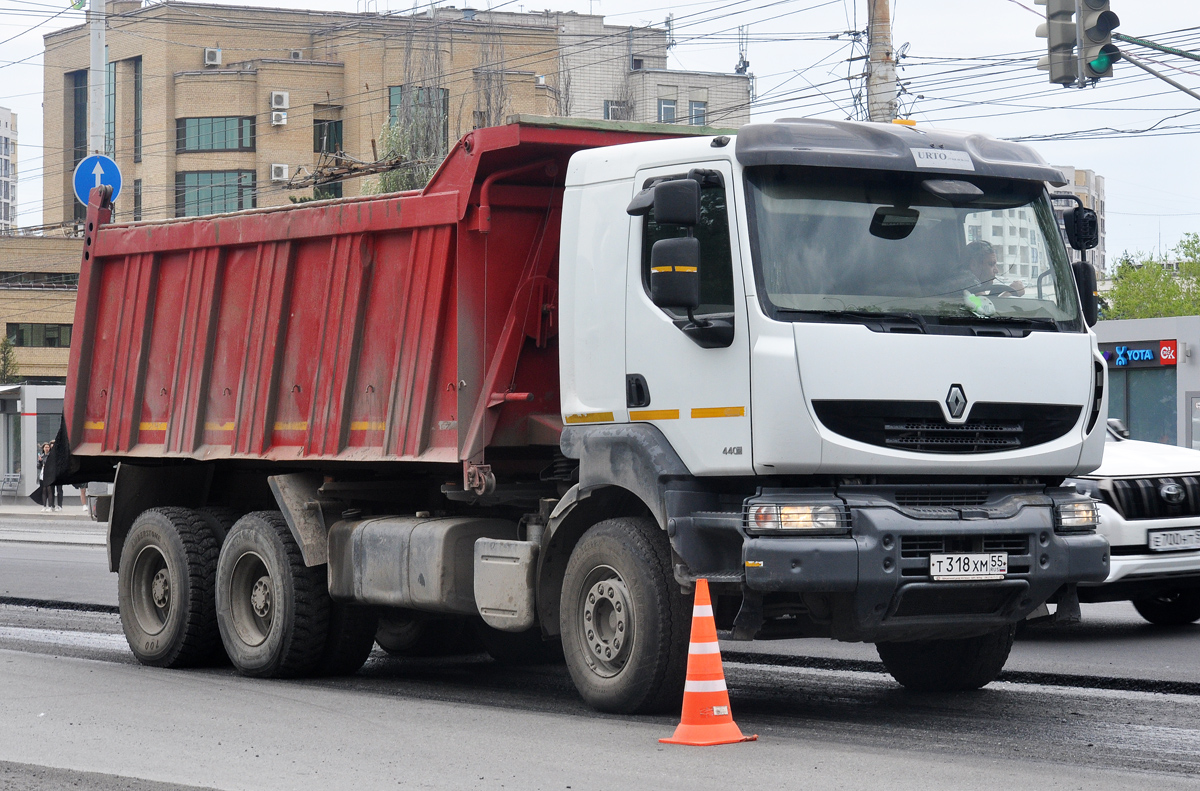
920,425
1139,498
940,499
924,546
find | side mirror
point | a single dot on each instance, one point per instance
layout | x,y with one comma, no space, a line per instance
677,202
675,272
1083,229
1089,300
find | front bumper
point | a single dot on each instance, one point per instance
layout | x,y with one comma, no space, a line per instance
1134,570
874,585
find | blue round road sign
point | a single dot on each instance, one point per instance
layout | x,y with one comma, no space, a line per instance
96,171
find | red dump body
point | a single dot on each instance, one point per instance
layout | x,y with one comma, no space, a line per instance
411,326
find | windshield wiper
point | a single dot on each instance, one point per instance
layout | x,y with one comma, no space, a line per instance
1039,321
860,315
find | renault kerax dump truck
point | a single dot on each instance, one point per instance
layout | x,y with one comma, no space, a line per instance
586,366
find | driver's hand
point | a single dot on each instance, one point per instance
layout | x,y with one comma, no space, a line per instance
1018,288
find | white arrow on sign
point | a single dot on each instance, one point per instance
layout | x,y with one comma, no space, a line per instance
98,171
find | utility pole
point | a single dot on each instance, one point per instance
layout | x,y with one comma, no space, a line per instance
97,74
881,64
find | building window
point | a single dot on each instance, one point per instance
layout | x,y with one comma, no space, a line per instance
425,112
997,230
617,110
327,137
52,336
214,134
1033,254
974,232
137,109
666,111
638,64
697,113
137,199
327,191
77,82
1025,257
110,107
213,192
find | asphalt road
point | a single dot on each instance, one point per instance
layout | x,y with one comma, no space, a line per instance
79,712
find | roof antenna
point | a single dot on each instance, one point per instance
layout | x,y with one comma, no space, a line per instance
743,65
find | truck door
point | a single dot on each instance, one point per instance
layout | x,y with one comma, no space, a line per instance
692,380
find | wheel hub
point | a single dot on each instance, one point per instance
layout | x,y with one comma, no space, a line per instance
260,597
160,589
606,623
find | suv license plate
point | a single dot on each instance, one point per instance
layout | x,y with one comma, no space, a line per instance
973,566
1174,540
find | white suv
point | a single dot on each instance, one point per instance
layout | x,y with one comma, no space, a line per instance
1150,513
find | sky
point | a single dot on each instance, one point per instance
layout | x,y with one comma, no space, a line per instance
965,64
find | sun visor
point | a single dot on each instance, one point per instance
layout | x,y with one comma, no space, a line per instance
849,144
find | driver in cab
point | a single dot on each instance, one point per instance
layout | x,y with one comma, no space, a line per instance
979,277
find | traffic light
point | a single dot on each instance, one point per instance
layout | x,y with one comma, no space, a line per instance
1059,30
1098,51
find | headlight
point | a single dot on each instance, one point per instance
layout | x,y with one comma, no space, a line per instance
763,519
1078,516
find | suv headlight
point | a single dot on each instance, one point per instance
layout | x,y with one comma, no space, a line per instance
776,518
1077,515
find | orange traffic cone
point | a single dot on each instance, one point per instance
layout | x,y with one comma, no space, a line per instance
706,719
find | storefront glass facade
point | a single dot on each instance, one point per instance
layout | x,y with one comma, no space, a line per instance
1145,400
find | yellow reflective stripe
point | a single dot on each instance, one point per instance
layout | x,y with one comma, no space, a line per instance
93,424
720,411
147,426
367,425
654,414
219,426
685,269
672,269
590,417
660,269
297,425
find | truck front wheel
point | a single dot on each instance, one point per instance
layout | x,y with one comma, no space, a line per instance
1173,608
273,610
948,665
165,588
624,622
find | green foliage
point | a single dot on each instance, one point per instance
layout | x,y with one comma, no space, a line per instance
8,362
1144,287
415,137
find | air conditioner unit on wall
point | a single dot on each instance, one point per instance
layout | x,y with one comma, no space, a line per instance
212,56
279,172
279,100
278,118
297,54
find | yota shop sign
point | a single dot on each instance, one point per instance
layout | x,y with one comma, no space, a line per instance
1140,354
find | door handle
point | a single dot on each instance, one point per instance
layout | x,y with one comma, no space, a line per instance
637,391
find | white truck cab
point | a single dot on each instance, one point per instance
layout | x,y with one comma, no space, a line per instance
849,411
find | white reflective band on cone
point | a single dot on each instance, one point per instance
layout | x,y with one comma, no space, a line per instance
704,686
704,648
702,609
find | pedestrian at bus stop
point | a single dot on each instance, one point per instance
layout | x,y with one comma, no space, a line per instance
49,490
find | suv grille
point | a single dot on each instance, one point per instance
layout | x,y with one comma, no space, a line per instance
920,426
1140,499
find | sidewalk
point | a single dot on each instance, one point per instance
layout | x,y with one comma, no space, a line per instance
27,509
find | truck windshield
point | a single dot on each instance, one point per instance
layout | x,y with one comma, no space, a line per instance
850,244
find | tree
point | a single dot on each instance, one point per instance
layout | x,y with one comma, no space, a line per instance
8,361
1146,287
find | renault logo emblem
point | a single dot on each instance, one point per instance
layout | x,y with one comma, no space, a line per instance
1171,492
956,401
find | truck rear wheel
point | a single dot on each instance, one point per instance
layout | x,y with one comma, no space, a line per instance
413,635
948,665
350,639
1173,608
273,611
624,622
165,588
519,648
